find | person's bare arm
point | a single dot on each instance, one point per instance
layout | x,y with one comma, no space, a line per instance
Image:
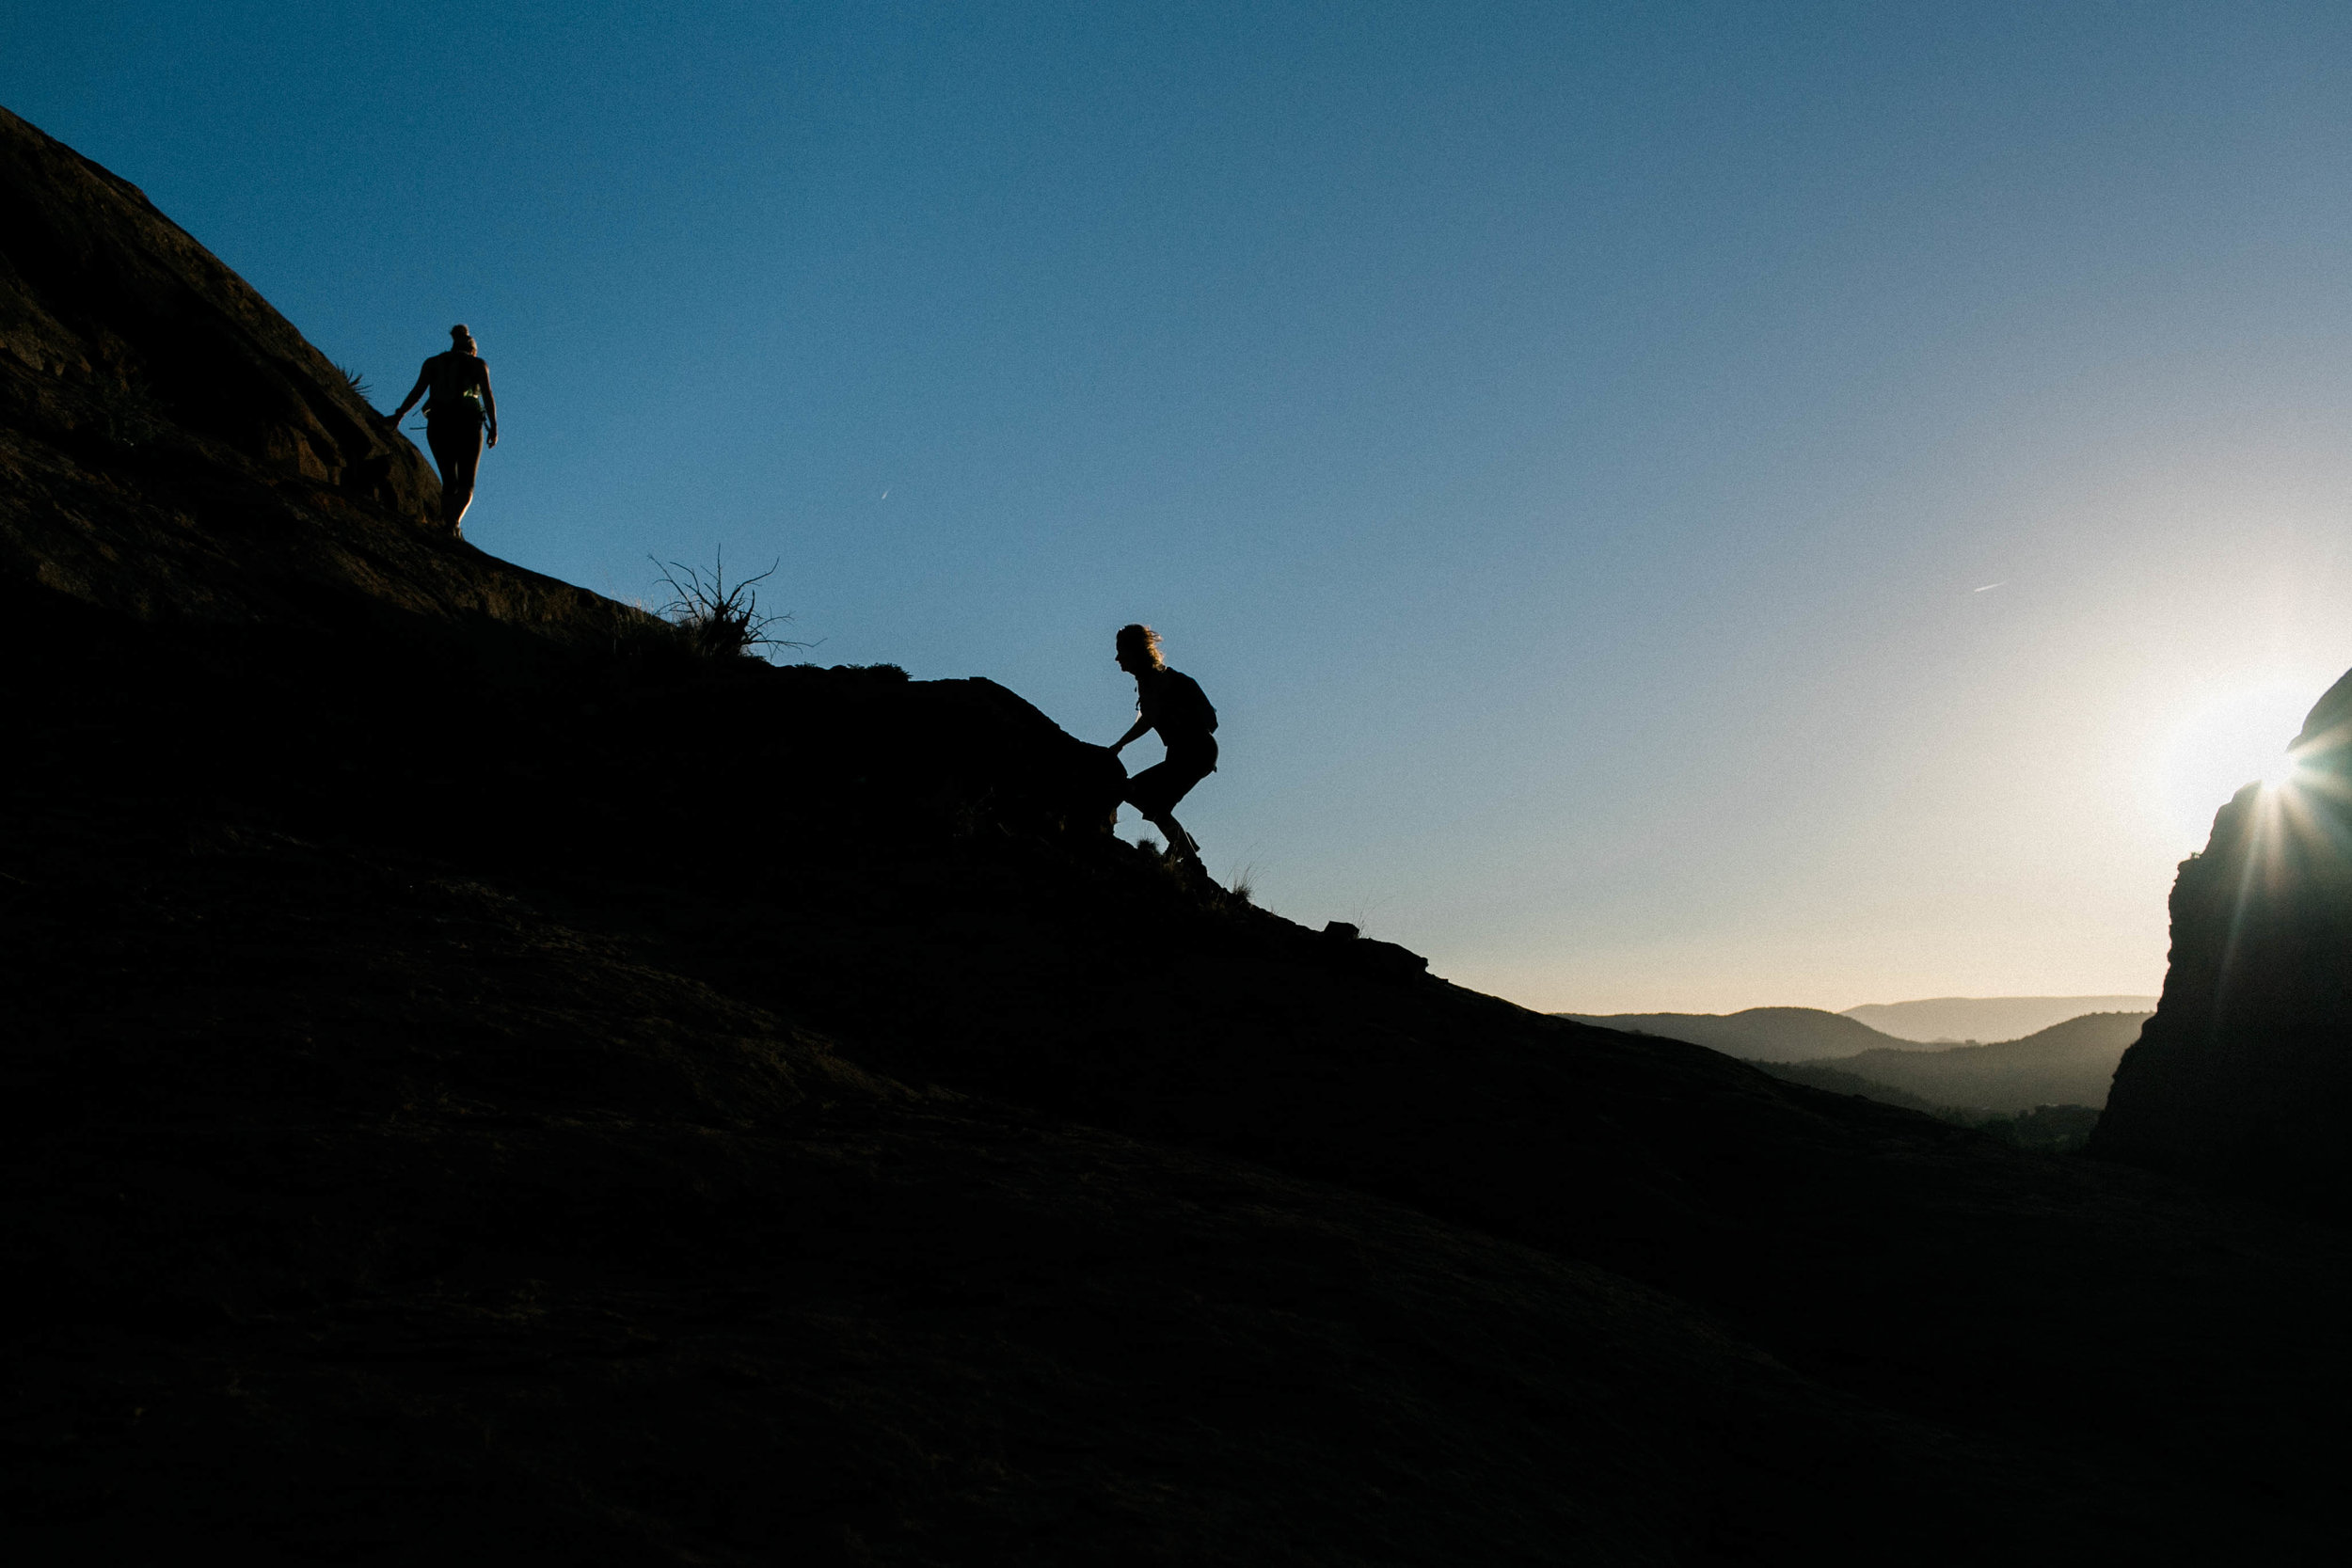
1137,733
414,393
490,406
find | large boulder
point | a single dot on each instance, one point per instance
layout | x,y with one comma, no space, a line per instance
213,548
172,448
2244,1076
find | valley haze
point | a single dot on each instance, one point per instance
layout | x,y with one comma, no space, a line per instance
1798,1034
1984,1019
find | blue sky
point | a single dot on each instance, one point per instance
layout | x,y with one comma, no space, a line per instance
1680,506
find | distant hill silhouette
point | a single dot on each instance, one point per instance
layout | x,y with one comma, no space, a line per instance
487,1084
2244,1077
1757,1034
1951,1019
1837,1080
2067,1064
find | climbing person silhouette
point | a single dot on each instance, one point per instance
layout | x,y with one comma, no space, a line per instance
1172,702
457,409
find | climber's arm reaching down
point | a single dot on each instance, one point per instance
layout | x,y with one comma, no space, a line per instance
414,393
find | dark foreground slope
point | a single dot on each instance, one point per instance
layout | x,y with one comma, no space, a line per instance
484,1086
2244,1077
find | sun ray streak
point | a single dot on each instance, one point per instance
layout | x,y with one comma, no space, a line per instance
2256,841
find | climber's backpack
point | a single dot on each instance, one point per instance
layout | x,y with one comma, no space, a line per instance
1184,707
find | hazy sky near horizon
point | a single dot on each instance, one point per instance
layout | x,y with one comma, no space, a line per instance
1679,506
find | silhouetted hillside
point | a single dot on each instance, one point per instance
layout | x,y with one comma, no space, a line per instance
1834,1079
1758,1034
2242,1077
487,1084
2069,1064
170,447
2050,1129
1953,1020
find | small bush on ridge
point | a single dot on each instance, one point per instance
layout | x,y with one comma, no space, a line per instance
718,621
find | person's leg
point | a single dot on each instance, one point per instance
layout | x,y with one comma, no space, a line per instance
1180,843
441,436
1154,793
457,452
456,500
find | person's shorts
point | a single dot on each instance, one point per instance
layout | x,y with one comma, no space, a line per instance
1158,787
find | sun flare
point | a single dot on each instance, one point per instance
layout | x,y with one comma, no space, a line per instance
2236,739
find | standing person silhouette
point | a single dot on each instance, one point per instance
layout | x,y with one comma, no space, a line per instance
1173,704
457,409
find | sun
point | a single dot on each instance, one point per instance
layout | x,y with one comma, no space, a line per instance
2280,771
2237,738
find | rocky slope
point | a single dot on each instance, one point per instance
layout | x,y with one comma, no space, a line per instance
2244,1076
484,1084
171,447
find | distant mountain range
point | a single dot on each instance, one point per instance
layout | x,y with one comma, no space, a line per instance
2068,1063
1966,1019
1758,1034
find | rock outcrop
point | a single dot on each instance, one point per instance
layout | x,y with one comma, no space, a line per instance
172,449
192,499
2244,1076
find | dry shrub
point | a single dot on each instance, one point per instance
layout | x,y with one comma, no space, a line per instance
721,621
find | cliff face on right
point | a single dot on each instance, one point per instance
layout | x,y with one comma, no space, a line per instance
2244,1077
